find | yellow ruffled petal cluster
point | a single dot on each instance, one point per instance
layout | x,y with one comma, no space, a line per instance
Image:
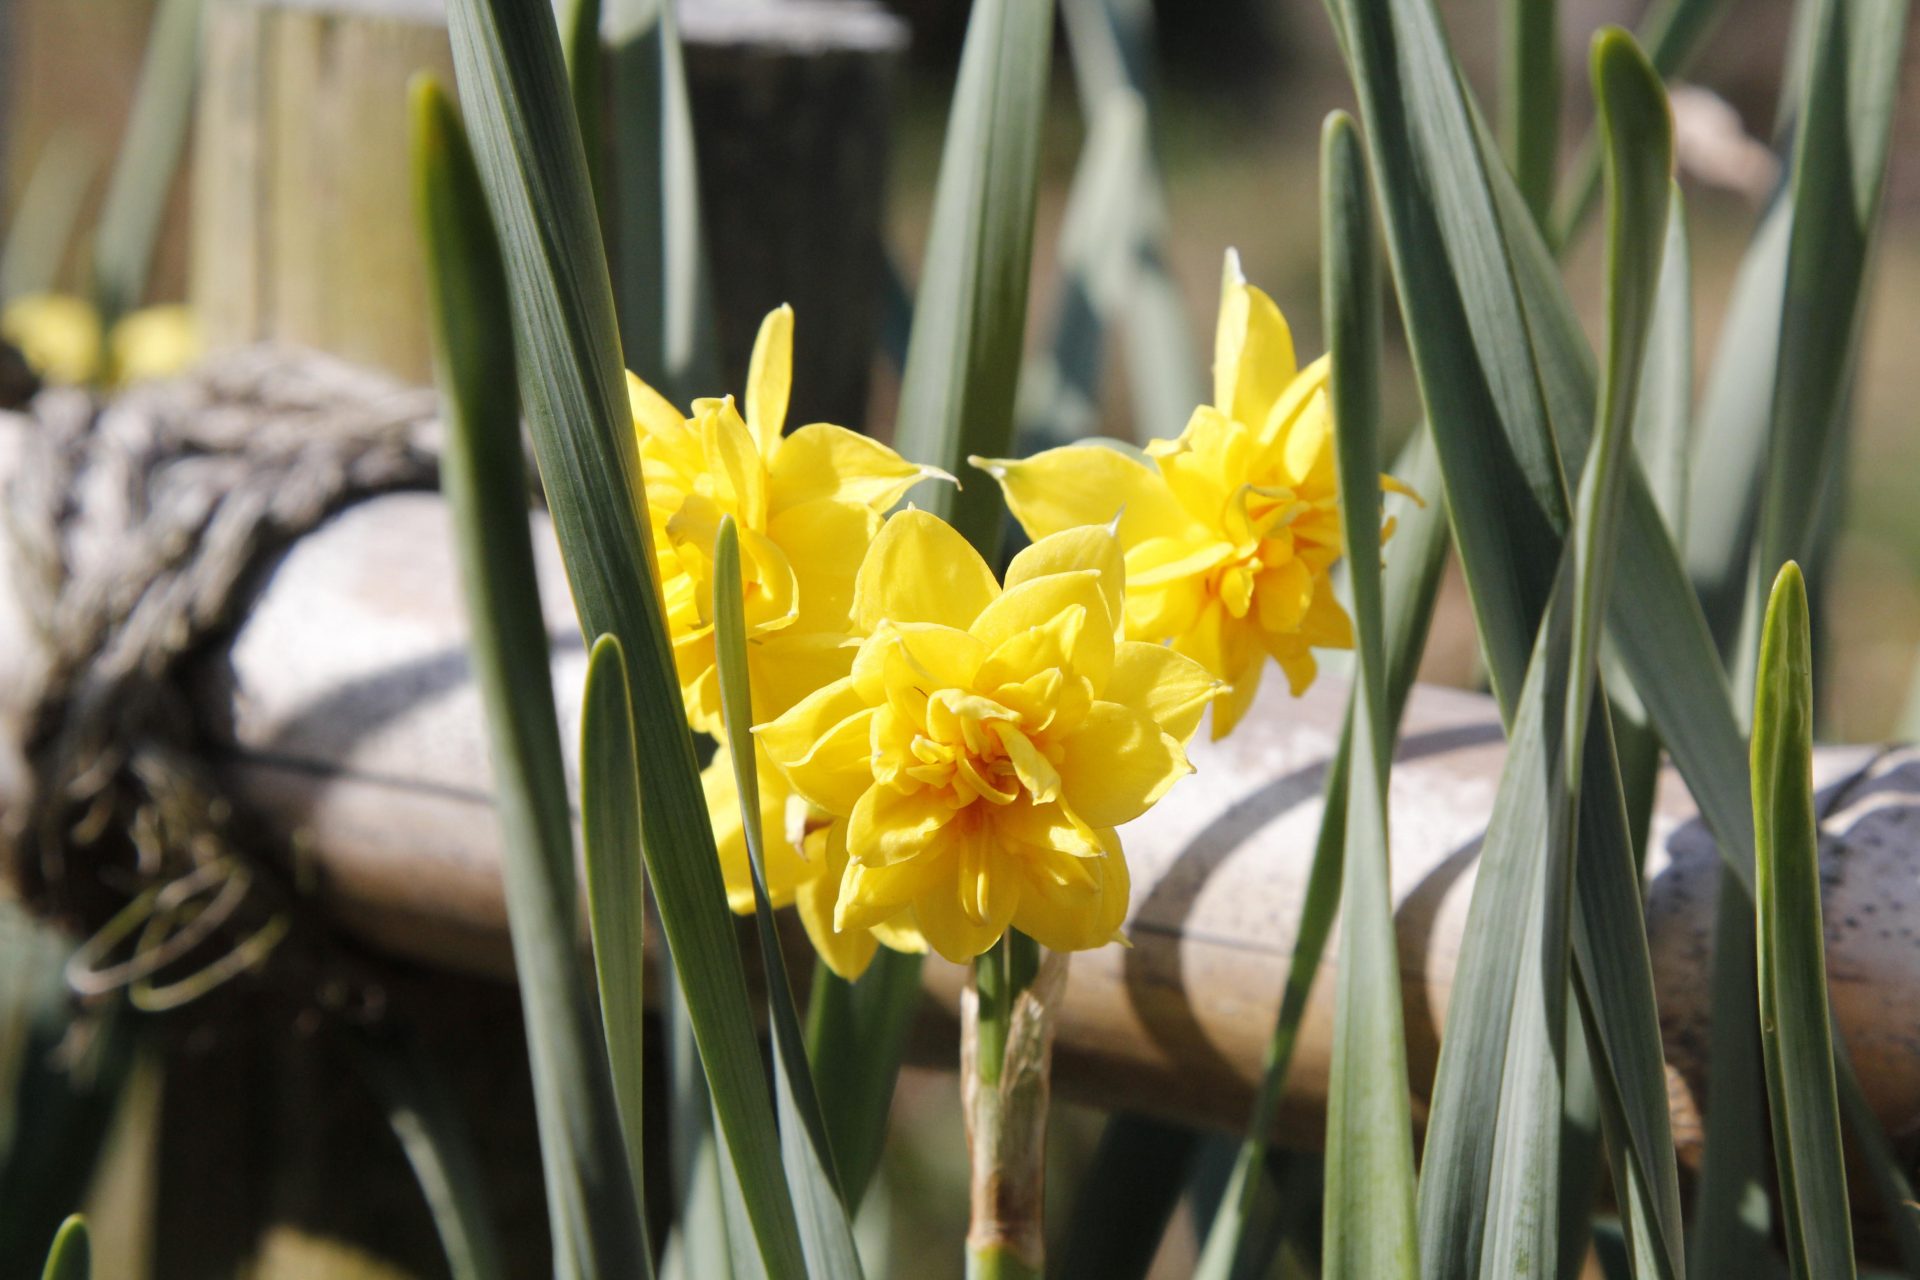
1229,530
986,742
62,339
806,507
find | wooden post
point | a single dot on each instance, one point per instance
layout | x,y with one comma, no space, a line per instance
303,229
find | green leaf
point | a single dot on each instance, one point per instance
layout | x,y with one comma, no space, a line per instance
1111,43
662,280
1839,173
71,1257
149,157
825,1232
1530,98
1370,1230
1412,581
439,1148
1673,32
590,1192
1060,384
616,881
1475,283
856,1039
1663,418
1791,949
1495,342
507,56
580,45
969,319
47,214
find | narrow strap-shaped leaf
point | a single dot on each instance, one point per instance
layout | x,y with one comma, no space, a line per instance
825,1232
956,399
1839,172
856,1039
1098,250
662,279
46,214
590,1195
580,45
1530,98
616,883
71,1256
1489,1197
1112,47
507,55
1369,1232
1672,33
1791,945
969,318
1412,581
143,173
438,1145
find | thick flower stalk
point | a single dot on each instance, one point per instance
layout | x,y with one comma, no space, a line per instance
1229,530
807,505
986,743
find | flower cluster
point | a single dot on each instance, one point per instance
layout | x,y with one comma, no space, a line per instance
1231,529
941,756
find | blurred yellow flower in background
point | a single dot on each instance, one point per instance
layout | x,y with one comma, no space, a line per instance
1229,530
986,743
61,337
806,505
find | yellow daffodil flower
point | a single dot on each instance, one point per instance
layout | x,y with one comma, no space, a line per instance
806,505
61,337
1229,530
986,743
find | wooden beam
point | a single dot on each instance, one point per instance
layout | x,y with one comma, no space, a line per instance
356,732
303,226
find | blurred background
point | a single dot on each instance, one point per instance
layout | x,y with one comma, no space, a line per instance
1243,86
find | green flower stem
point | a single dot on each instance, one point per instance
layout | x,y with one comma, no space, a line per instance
998,1264
1005,1070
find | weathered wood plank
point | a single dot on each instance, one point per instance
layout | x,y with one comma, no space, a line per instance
304,230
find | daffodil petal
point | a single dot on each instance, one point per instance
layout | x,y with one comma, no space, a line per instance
1069,904
1117,764
1252,348
651,412
821,460
770,379
786,868
1086,484
887,826
920,570
1024,628
846,952
824,542
1302,391
871,896
1171,690
819,744
1089,547
1233,704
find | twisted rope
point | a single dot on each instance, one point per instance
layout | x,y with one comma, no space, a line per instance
141,529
